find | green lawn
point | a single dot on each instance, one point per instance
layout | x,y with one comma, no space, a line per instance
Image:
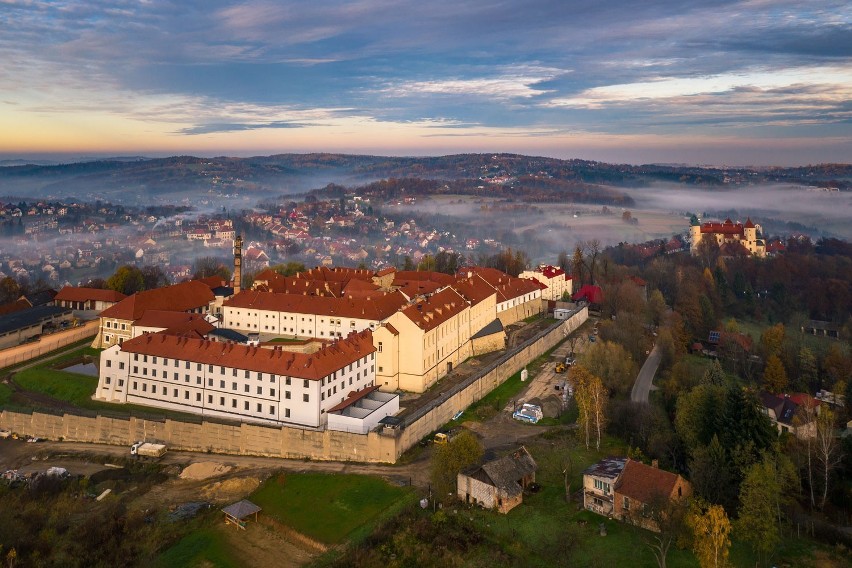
71,387
5,394
328,508
77,389
200,548
284,340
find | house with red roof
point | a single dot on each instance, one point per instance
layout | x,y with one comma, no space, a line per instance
727,232
557,283
630,491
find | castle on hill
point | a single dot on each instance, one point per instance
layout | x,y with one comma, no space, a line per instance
728,235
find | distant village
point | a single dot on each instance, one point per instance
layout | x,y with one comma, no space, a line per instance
58,243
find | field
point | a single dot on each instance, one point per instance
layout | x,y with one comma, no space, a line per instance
47,384
326,508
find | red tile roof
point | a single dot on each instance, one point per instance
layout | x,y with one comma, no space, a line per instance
726,228
474,289
403,276
174,322
436,309
213,281
314,366
177,298
378,306
645,483
80,294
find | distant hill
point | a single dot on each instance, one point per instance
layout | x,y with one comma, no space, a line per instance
136,179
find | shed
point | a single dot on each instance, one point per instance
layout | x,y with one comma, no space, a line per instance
498,483
240,510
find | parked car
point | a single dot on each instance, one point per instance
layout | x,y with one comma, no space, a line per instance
569,361
560,367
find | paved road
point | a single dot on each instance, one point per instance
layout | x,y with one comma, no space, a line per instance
642,386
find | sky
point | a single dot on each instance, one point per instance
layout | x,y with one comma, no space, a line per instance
755,82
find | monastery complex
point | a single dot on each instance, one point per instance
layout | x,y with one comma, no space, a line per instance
326,348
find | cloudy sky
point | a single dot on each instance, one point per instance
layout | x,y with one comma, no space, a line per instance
691,81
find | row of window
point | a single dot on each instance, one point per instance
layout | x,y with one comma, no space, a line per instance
109,325
222,401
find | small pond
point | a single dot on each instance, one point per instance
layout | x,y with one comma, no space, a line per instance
83,369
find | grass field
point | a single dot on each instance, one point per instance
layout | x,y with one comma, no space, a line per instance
5,394
76,389
327,508
200,548
70,387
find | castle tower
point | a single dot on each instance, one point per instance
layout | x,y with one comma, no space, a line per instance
694,232
238,263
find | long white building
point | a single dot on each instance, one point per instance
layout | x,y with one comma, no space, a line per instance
241,382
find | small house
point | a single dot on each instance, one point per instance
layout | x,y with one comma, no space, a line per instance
498,484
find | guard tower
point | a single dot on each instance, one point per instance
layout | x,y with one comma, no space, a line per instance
238,263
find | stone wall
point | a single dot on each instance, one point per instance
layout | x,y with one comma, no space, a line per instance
285,442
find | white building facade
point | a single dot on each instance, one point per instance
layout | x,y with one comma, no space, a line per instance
234,381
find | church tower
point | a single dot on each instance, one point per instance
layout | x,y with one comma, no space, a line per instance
238,263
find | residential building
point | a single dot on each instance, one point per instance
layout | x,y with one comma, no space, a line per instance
599,485
792,413
630,491
643,494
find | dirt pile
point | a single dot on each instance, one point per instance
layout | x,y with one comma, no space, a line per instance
204,470
230,489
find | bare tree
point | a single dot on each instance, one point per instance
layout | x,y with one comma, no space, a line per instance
806,418
828,452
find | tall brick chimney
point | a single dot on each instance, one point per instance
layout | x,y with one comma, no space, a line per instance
238,263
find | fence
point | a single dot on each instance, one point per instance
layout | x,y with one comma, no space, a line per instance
47,343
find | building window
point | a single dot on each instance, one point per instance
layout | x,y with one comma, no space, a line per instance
286,413
306,397
221,401
380,346
198,397
108,380
121,382
186,395
233,386
246,405
109,363
271,392
259,407
259,390
233,403
287,381
627,503
135,386
246,388
271,409
121,365
209,399
287,395
306,383
175,376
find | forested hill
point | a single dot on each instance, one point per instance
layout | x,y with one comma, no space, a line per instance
536,178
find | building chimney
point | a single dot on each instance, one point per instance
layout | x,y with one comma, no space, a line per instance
238,263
